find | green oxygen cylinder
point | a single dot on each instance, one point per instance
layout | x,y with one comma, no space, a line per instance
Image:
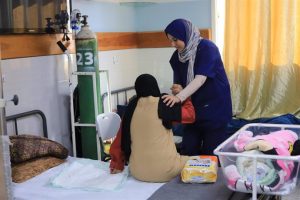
87,61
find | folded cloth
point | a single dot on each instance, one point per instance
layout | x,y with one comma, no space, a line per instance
265,172
27,147
237,183
87,174
240,177
278,143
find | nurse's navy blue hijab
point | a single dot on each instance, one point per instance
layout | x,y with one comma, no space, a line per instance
185,31
145,86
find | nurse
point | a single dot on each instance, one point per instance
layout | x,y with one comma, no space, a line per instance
198,72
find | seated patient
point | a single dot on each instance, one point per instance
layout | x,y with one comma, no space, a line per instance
145,138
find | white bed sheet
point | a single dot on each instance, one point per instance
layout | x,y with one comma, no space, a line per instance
37,188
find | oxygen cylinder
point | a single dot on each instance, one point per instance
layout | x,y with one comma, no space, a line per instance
87,61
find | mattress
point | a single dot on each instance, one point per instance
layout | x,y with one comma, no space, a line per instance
39,188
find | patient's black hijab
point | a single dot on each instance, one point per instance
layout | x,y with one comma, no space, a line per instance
145,86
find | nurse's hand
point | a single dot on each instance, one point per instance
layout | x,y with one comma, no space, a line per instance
170,100
176,88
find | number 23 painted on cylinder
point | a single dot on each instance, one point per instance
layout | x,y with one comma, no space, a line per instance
88,58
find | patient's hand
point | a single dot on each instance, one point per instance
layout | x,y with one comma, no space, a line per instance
115,171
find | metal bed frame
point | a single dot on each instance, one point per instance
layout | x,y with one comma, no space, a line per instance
117,93
26,114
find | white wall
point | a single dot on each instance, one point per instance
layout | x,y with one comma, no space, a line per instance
41,84
156,62
125,66
106,16
122,65
123,69
155,17
123,17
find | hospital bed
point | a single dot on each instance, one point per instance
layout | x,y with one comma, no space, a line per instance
38,187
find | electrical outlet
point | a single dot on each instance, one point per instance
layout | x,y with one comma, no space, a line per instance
3,78
115,60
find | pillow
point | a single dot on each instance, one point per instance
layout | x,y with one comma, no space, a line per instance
23,171
27,147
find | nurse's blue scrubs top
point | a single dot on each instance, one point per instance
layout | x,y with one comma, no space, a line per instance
212,101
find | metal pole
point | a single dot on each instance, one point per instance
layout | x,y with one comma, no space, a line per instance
254,184
71,90
5,169
3,129
108,91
